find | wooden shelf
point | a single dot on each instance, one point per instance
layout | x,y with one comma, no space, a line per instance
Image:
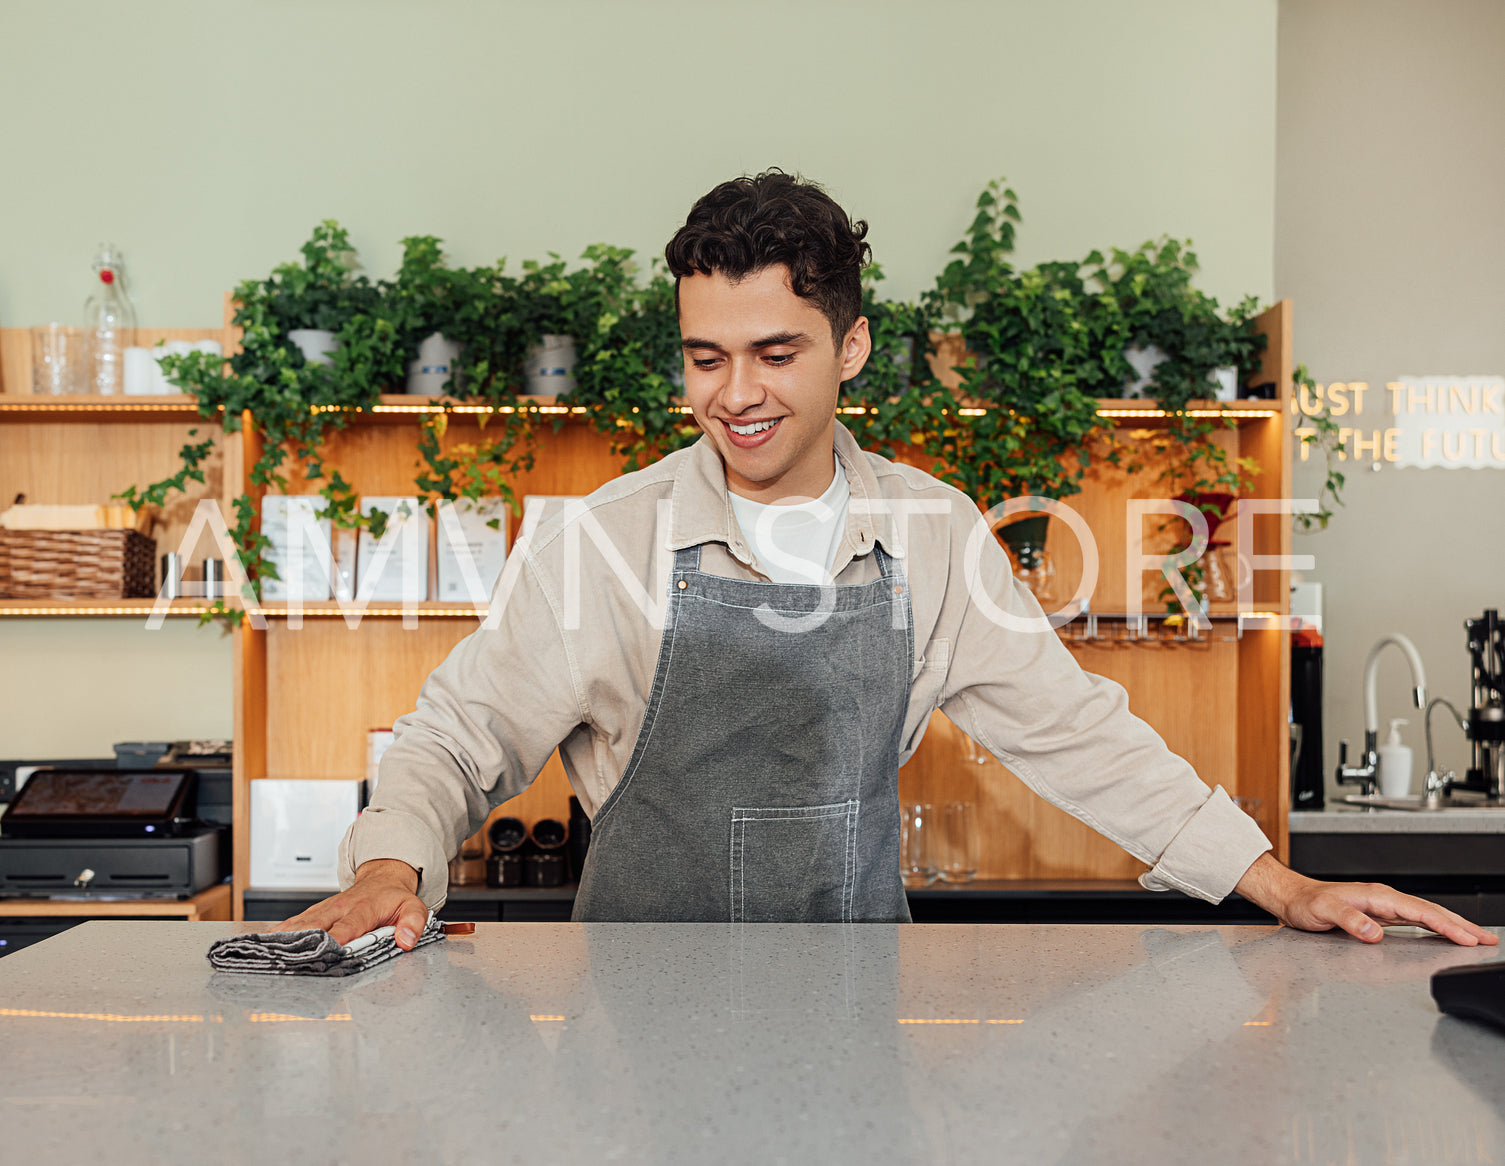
403,407
206,905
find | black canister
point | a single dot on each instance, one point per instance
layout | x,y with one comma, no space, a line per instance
549,865
547,868
580,838
505,867
549,834
505,870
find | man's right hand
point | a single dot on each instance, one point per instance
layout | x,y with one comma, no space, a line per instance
383,894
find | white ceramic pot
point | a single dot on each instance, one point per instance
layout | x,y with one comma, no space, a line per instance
1144,362
316,344
1225,382
430,375
551,367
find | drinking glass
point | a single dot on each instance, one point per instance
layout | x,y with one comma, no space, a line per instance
959,842
59,359
1254,807
917,843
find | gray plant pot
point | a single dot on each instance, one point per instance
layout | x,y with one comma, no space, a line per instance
551,367
316,344
431,374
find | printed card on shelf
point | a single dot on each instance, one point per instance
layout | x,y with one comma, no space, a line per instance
300,548
394,568
472,538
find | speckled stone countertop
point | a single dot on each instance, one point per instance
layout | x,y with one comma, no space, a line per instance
752,1044
1347,819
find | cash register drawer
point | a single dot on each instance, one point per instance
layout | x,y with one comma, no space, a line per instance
140,867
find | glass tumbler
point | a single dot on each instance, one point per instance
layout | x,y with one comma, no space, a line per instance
917,843
59,359
959,842
1254,807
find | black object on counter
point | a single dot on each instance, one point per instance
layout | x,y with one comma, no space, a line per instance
547,869
504,870
150,866
549,834
1476,991
1306,715
509,846
100,803
507,834
580,838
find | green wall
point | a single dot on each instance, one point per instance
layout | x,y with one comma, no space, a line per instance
206,137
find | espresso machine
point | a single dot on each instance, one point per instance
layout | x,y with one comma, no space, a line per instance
1486,717
1485,723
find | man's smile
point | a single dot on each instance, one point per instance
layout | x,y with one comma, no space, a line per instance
749,434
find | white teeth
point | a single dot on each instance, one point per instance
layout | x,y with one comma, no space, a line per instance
755,427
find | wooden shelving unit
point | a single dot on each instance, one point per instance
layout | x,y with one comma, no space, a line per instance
305,697
215,903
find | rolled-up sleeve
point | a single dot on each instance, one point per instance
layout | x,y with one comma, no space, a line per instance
486,721
1069,735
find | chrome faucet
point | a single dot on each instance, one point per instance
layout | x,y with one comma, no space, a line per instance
1439,785
1366,776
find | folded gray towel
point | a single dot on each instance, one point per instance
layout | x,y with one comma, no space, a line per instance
310,953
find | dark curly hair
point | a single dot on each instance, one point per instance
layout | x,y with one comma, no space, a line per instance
750,223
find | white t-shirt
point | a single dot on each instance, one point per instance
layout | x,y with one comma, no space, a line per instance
796,543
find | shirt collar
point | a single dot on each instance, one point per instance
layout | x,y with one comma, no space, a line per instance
702,511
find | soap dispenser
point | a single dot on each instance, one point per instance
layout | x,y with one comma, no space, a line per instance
1395,763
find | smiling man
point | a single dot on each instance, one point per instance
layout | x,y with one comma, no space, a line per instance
737,741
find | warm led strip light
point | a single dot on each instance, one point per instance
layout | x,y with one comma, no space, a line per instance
927,1020
188,405
279,1017
196,609
114,1017
1189,412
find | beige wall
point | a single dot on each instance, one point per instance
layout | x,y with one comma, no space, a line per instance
207,139
1391,241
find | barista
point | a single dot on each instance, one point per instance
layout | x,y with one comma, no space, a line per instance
735,649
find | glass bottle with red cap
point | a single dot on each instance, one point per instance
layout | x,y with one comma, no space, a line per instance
110,321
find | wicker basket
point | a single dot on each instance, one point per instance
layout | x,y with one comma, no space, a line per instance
77,564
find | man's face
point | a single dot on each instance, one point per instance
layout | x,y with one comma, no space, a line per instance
761,376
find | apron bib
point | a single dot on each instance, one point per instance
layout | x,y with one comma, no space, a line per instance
763,785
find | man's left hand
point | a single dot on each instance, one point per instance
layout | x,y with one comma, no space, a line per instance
1361,909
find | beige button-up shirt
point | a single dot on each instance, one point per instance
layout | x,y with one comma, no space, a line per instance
567,656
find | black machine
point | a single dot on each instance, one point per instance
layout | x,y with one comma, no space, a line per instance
99,803
124,833
1486,716
1306,722
1476,991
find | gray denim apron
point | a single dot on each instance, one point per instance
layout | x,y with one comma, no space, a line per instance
763,786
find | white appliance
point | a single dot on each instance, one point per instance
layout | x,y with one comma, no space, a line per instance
296,827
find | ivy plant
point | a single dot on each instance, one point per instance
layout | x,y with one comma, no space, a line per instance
1325,436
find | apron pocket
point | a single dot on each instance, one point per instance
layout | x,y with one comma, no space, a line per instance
794,864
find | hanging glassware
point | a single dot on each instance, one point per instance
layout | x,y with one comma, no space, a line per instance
1025,542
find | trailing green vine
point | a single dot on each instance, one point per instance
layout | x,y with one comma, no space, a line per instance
1324,434
1042,346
